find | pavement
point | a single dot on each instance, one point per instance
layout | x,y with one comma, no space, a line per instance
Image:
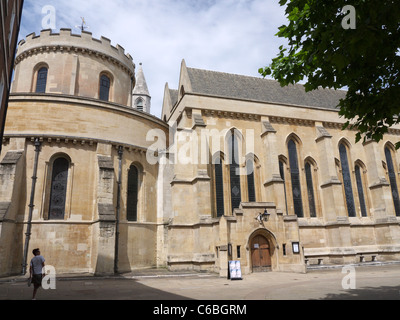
379,281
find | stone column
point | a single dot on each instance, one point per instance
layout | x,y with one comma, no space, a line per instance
331,187
181,185
74,75
334,210
202,180
223,247
105,226
274,185
165,173
191,183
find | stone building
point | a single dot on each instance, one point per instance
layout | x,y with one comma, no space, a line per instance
245,146
238,168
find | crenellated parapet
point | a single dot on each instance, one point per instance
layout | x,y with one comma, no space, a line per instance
66,41
74,65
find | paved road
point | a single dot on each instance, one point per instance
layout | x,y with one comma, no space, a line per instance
371,283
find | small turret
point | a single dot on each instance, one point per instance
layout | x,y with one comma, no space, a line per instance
141,99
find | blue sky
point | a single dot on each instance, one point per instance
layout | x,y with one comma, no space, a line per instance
234,36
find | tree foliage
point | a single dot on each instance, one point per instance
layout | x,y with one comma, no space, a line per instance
364,60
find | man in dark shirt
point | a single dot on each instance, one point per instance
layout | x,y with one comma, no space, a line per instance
36,271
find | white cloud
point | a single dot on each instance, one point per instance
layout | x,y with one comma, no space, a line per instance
235,36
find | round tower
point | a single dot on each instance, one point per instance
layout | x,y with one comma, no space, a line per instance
75,179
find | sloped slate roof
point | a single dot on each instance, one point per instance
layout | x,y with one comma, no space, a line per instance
174,96
258,89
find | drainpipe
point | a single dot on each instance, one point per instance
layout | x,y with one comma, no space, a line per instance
31,207
120,154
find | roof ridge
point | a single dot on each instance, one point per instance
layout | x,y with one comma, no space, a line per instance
261,79
227,73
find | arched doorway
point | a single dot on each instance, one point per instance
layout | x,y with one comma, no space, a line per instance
260,254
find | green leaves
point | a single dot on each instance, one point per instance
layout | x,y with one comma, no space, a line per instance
364,60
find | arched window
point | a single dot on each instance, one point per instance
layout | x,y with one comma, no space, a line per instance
133,194
295,173
41,80
59,182
347,184
236,195
360,189
219,187
139,104
250,180
393,181
105,85
310,190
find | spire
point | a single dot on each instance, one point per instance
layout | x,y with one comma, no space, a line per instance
141,96
141,85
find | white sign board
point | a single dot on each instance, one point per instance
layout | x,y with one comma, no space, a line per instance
235,270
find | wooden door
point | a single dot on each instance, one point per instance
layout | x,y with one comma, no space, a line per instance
260,254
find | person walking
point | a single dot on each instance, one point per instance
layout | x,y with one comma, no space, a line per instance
36,271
